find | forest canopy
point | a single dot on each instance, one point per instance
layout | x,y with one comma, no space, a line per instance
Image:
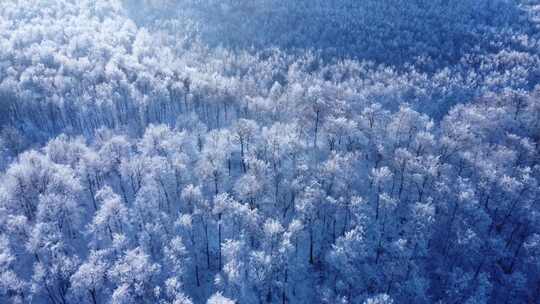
386,31
269,151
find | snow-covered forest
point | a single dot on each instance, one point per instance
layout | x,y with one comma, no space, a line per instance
269,151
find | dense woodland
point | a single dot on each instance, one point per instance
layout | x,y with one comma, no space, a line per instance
269,151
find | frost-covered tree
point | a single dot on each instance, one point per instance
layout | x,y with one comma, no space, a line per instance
133,277
89,281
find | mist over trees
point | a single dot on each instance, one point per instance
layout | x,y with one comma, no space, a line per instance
269,151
